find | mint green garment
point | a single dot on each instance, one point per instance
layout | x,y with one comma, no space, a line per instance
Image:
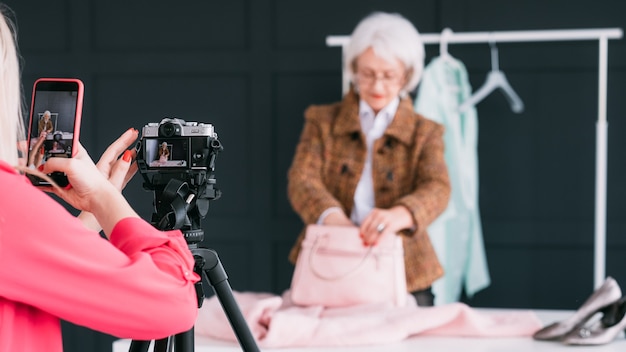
457,234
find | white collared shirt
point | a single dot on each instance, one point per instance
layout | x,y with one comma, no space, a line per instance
373,127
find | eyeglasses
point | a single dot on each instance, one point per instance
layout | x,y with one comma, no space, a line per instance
387,79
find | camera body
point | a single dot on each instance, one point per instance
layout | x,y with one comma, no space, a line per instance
172,127
176,144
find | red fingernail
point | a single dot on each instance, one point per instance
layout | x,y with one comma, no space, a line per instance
40,168
127,156
68,187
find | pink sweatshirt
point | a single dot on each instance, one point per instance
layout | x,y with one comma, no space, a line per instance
137,285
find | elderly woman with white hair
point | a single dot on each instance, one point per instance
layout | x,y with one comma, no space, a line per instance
45,123
370,160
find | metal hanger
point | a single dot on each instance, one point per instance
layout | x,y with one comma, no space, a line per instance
496,79
443,44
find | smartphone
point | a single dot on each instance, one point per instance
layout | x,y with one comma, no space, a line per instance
55,114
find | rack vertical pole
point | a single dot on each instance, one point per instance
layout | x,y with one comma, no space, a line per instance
601,166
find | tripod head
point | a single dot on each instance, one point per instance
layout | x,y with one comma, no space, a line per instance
182,205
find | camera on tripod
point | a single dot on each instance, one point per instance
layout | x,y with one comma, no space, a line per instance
177,161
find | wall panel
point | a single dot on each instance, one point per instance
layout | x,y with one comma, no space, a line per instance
306,24
160,27
46,30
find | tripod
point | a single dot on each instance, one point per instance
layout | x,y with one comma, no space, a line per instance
178,207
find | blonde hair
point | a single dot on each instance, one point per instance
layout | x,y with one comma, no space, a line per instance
391,36
11,116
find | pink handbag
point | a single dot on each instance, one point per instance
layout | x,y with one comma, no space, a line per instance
334,269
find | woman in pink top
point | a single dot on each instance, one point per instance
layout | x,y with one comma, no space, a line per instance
138,284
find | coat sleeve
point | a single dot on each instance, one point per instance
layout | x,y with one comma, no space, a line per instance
138,285
431,183
306,190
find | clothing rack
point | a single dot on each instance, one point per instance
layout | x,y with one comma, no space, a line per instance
602,35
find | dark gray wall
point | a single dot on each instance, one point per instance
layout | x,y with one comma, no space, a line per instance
251,67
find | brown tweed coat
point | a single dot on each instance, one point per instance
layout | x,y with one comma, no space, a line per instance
408,169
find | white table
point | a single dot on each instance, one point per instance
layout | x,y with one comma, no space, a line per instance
426,343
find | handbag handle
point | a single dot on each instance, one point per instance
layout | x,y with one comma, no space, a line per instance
314,249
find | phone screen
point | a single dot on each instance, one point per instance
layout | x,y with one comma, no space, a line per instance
55,114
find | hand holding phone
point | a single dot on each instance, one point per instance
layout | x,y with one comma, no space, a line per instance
53,130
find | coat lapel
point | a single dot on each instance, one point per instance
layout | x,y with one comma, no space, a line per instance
347,121
404,123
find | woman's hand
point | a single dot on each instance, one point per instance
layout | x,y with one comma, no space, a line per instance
111,157
107,163
87,179
383,221
35,156
337,218
93,191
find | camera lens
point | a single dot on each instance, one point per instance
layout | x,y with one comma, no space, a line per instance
168,129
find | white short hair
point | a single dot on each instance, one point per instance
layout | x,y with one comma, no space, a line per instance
391,36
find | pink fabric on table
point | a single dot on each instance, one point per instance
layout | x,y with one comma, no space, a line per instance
276,323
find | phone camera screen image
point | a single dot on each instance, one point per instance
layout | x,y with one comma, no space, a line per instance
54,123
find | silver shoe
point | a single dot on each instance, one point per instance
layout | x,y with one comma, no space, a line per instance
603,297
603,331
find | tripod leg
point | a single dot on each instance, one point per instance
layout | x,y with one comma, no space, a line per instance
216,275
164,345
184,342
139,346
240,327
